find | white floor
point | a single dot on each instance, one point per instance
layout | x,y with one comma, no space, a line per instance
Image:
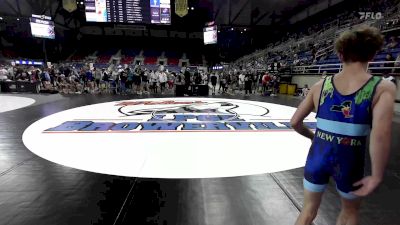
9,103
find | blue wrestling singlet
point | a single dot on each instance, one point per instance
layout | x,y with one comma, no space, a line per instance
338,148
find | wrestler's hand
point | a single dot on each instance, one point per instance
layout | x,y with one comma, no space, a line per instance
369,184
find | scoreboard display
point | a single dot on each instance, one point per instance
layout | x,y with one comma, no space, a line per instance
129,11
210,35
42,27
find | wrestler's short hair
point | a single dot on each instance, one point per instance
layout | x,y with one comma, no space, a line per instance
360,44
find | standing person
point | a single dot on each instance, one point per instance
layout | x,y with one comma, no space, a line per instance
214,80
275,85
145,81
179,79
247,84
265,81
389,77
255,79
223,82
388,66
221,85
305,90
241,81
187,81
396,70
123,77
228,81
197,78
348,105
171,80
163,78
323,75
234,82
97,77
137,81
204,78
154,81
129,81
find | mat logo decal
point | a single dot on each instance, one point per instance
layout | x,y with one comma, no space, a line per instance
180,116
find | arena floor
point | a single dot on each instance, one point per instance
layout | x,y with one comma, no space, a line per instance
36,191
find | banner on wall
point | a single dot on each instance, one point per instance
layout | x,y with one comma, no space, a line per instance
69,5
181,7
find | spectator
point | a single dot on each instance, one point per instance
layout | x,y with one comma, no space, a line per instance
275,85
393,43
305,91
265,82
197,78
130,78
247,84
154,76
145,81
204,78
123,77
187,81
163,80
137,80
397,64
3,74
388,65
171,80
105,77
296,60
324,74
241,81
214,79
389,78
179,80
97,76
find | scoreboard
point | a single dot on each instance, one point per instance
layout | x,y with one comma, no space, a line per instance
42,27
129,11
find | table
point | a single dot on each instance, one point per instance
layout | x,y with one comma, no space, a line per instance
19,86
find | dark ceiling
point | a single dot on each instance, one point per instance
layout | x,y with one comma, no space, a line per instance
224,12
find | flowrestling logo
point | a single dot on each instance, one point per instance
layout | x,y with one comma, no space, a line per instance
179,116
172,138
370,15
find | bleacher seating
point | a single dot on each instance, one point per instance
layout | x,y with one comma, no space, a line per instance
127,59
104,56
150,60
322,40
130,52
173,61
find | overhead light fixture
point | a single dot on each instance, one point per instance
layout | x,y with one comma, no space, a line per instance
192,8
219,31
18,19
81,3
232,28
1,18
245,29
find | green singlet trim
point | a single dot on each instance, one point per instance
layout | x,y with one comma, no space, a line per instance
362,95
327,89
366,92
